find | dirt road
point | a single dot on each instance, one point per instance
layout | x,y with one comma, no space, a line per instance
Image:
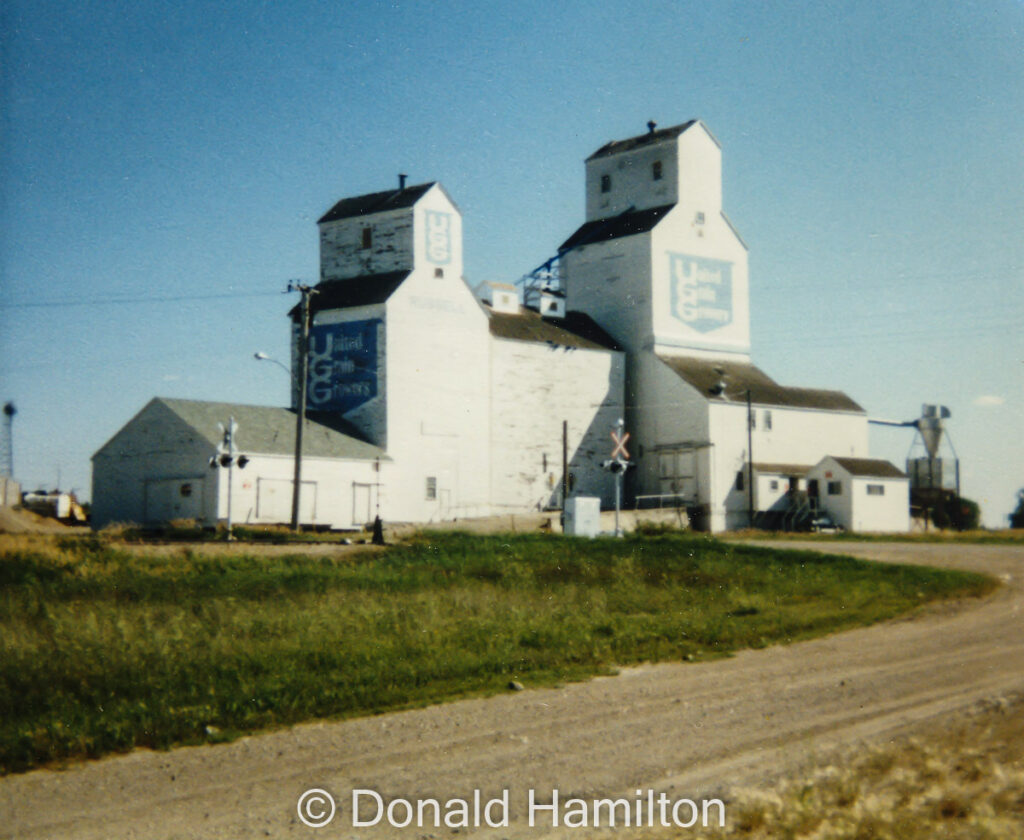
686,729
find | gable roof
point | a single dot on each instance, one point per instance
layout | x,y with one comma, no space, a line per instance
869,467
353,291
783,469
616,146
739,377
624,224
268,430
378,202
574,330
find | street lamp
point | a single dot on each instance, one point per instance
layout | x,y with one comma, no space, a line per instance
300,416
298,389
260,356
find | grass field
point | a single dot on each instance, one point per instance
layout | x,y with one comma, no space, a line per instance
102,649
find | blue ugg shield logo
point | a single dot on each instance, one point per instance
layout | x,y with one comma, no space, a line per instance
701,291
439,237
342,365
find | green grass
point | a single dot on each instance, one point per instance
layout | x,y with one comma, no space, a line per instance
103,650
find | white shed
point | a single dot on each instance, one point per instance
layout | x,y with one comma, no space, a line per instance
862,494
157,468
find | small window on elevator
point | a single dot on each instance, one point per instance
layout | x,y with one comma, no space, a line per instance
656,170
606,183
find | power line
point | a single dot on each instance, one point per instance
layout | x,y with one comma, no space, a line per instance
114,301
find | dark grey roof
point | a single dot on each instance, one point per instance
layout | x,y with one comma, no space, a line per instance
363,205
574,330
353,291
616,146
739,377
625,224
869,467
783,469
268,430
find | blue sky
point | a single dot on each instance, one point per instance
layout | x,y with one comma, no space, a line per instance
164,165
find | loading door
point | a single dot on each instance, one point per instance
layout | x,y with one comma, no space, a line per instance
677,473
362,504
274,500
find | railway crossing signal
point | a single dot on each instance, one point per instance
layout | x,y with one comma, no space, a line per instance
227,456
617,465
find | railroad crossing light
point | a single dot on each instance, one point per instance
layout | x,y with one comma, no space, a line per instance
225,460
242,461
615,465
213,462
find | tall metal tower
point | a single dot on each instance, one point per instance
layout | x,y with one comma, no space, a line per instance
7,444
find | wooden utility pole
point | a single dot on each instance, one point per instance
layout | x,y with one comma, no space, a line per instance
300,413
565,464
750,463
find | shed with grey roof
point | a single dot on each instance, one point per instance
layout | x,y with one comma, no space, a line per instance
157,468
862,494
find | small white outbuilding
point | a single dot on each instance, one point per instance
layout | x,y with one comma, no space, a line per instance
157,468
862,494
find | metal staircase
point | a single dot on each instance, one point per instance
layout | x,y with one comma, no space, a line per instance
803,513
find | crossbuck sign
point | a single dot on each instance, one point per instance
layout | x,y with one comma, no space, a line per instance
620,445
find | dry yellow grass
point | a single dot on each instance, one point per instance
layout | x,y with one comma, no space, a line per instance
960,780
44,543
